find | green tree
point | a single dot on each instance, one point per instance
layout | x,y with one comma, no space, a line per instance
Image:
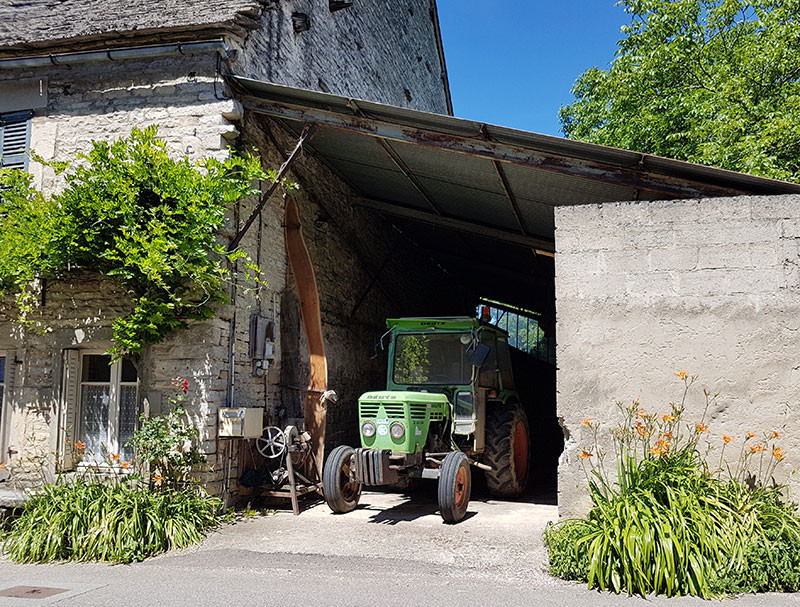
709,81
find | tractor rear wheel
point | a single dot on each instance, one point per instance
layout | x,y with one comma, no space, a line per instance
341,494
507,449
455,484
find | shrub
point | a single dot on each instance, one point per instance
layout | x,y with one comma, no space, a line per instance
670,524
118,522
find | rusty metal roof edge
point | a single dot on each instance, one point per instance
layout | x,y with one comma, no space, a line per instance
462,127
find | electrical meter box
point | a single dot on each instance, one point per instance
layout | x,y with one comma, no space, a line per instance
241,422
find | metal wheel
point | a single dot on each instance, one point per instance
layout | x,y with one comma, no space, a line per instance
272,442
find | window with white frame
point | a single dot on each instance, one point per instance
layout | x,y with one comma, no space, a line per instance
107,406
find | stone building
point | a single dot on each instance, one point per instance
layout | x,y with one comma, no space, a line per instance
83,72
640,266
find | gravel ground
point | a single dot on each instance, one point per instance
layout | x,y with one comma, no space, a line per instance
393,550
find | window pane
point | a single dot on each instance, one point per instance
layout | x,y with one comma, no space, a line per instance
96,368
128,371
94,418
2,369
127,419
434,358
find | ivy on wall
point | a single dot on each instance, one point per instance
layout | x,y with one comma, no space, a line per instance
132,213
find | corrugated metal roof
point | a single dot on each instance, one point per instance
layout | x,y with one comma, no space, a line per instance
445,166
485,191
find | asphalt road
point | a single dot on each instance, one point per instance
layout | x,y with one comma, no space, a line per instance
393,551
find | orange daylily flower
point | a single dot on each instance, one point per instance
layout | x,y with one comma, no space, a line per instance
750,435
80,445
125,464
682,374
700,428
115,457
668,418
641,413
757,448
774,434
777,453
642,430
587,421
668,434
3,466
584,454
726,439
157,479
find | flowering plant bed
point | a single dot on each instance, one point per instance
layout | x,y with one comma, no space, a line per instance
677,519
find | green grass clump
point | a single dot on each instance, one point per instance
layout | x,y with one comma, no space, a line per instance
118,522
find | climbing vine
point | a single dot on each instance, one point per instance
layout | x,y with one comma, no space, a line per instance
134,214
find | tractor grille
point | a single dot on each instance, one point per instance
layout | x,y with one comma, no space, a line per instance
394,411
369,411
420,411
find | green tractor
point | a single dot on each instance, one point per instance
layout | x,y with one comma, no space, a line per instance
449,404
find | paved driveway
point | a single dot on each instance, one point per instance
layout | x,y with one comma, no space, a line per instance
392,551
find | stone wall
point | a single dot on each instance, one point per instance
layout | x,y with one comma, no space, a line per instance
647,289
379,51
366,271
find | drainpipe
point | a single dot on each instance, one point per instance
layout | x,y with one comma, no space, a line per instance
136,52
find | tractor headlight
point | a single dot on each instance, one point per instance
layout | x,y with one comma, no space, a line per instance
368,429
397,430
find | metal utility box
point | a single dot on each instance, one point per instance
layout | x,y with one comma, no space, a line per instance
241,422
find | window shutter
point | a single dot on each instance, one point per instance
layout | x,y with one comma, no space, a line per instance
15,138
69,407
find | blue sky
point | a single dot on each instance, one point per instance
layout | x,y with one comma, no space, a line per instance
513,62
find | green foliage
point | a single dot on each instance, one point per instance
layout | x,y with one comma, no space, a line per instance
167,443
566,546
118,522
710,81
132,213
668,524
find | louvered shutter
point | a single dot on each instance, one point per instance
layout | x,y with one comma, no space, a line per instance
68,431
15,137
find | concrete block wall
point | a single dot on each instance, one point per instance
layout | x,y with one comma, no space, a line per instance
379,51
647,289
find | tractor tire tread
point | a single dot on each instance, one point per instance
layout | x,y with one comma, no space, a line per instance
501,480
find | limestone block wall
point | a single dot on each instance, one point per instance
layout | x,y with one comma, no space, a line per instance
646,289
380,51
104,101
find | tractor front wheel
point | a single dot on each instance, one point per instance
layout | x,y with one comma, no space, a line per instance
455,484
341,494
507,449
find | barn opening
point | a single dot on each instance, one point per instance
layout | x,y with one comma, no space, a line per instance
479,201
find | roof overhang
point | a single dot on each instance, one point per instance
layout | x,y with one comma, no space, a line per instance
480,193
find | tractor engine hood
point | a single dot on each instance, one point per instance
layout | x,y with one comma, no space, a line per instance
399,420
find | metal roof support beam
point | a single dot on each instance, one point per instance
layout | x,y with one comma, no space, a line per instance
635,176
409,175
540,245
305,135
512,200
